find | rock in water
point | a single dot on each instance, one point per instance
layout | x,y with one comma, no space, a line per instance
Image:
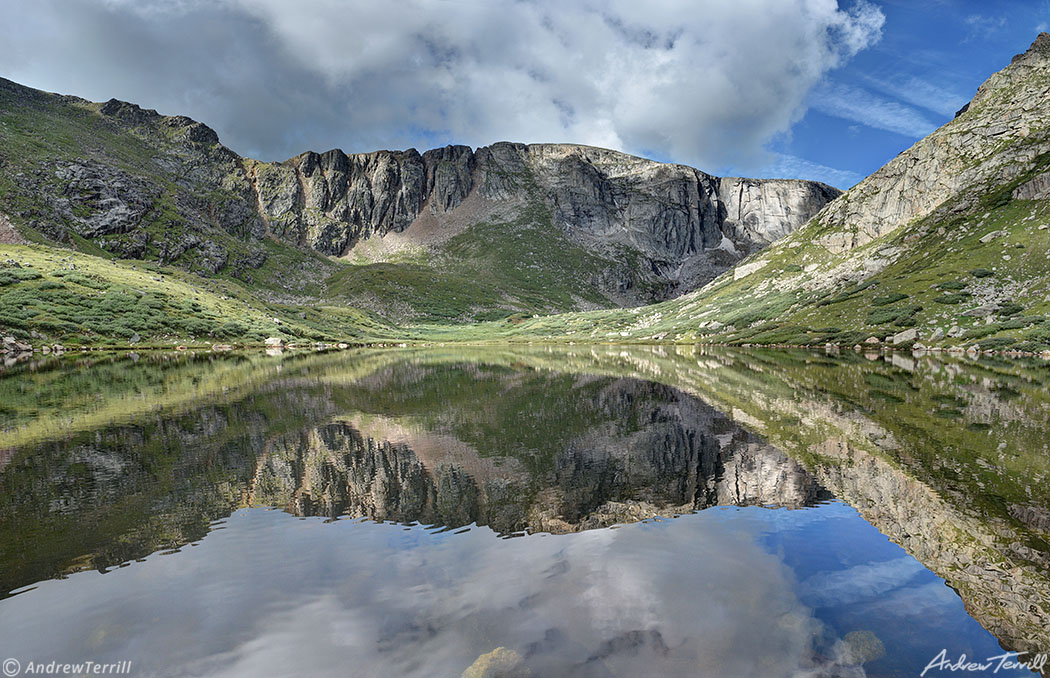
500,663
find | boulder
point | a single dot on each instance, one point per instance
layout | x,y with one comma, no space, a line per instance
906,336
981,311
274,341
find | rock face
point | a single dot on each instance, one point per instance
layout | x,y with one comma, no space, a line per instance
688,225
979,148
162,187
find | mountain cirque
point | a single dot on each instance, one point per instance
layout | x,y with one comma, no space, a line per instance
688,225
136,184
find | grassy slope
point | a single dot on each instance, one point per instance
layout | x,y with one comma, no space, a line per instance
80,299
490,271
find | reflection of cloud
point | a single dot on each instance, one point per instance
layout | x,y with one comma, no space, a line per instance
925,601
270,595
861,582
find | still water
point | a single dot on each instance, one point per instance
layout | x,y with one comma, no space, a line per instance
579,512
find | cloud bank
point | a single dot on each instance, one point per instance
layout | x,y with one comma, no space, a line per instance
708,84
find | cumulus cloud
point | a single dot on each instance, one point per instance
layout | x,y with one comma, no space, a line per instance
707,84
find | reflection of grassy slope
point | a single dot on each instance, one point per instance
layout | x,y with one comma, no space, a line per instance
504,411
73,394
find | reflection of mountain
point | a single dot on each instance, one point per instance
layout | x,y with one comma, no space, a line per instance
514,449
645,449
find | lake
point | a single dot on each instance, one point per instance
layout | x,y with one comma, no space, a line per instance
525,511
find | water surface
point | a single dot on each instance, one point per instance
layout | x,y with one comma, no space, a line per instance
588,511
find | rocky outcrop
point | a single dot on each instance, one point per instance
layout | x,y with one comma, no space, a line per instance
761,211
997,138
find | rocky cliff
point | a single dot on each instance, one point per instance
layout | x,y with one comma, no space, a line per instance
137,184
688,225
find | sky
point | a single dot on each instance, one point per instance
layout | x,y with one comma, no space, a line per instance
811,89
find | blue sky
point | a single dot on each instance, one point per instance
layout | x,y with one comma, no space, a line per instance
814,89
931,58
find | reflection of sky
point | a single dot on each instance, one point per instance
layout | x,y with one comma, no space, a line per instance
741,592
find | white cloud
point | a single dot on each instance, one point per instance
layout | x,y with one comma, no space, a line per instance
922,93
860,105
708,85
786,166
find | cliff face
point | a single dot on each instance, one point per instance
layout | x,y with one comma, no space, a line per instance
138,184
687,224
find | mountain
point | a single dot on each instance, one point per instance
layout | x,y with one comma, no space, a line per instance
946,245
451,234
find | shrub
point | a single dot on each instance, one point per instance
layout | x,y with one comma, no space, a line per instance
902,316
1033,346
951,285
1015,323
888,299
231,329
982,273
1010,308
982,331
995,343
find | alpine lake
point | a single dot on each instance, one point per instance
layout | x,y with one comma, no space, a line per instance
526,511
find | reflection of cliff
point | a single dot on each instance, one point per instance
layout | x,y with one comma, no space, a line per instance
646,449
